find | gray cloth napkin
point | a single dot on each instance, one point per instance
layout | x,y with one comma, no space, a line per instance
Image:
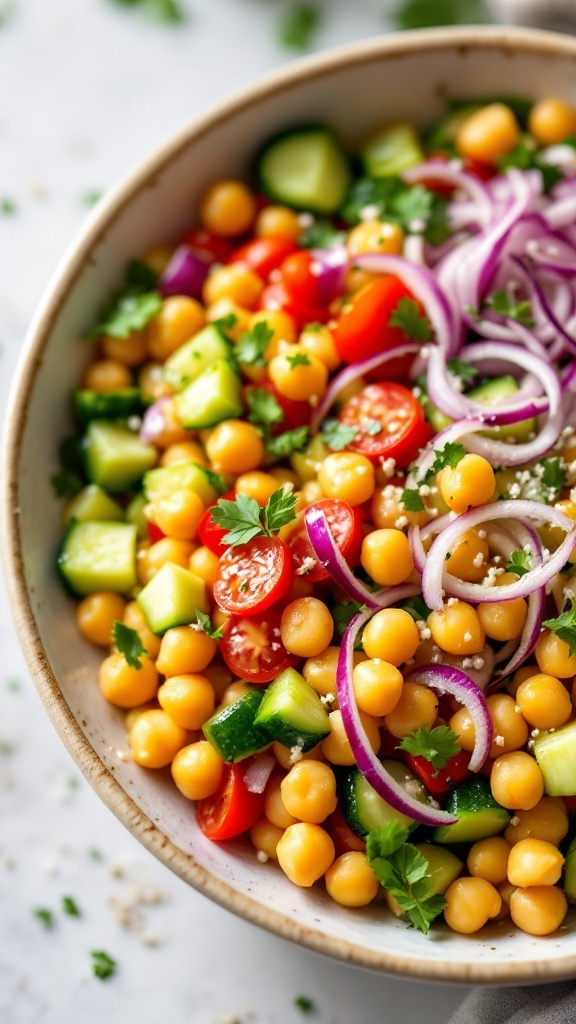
542,1004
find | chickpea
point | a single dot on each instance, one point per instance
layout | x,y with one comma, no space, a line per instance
155,739
471,903
130,351
96,615
274,807
265,837
299,374
544,702
350,880
516,781
336,746
151,559
347,476
457,629
488,859
107,375
488,134
534,862
551,121
234,691
468,484
509,726
258,485
197,770
285,755
228,208
278,222
375,236
378,687
548,820
387,557
135,618
124,686
553,656
387,507
503,620
189,700
152,384
184,451
305,852
184,651
224,307
234,282
391,635
235,446
417,706
309,791
538,910
179,320
320,671
178,514
317,339
468,560
306,627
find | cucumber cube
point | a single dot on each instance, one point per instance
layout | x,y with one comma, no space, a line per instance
214,396
443,867
185,476
92,503
195,356
106,405
99,556
292,712
479,816
172,597
233,732
555,753
116,458
392,150
135,514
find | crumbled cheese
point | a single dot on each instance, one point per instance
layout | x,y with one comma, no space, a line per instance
328,698
515,490
313,401
262,856
307,565
482,534
478,662
478,560
369,212
295,753
424,490
388,467
401,522
467,636
451,601
306,220
535,733
424,630
150,938
499,741
515,820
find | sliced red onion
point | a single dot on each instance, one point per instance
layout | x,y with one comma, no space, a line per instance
447,679
456,178
372,769
545,306
436,579
453,432
258,772
155,420
186,273
329,268
352,373
561,213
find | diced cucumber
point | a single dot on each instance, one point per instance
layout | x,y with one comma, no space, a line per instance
292,712
555,753
106,405
172,597
184,476
392,150
569,882
305,168
114,457
135,514
436,418
365,809
479,816
92,503
214,396
99,556
233,732
305,463
443,865
195,356
492,393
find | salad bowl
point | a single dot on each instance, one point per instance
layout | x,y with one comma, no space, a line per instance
354,89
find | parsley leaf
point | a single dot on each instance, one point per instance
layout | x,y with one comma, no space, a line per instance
423,14
450,455
133,308
321,235
392,200
465,371
128,643
503,304
408,318
283,445
103,966
263,407
70,907
564,626
299,26
242,518
252,346
519,562
91,197
437,745
414,204
373,427
337,435
343,614
7,206
299,359
204,621
45,916
304,1004
160,10
279,510
526,157
404,872
417,608
227,322
66,483
554,475
412,501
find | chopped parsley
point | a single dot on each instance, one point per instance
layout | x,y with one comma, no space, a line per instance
417,608
134,307
343,614
251,349
103,966
299,26
298,359
45,916
564,626
263,407
554,474
423,13
244,519
450,455
283,445
503,304
394,201
373,427
519,562
91,197
464,371
526,157
321,235
70,907
412,501
304,1004
405,873
204,621
227,322
129,644
437,745
337,435
7,207
408,318
66,483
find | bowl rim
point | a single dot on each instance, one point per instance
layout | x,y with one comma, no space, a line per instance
71,266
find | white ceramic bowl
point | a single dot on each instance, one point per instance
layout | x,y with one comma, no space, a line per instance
355,89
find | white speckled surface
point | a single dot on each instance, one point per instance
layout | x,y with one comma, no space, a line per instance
86,90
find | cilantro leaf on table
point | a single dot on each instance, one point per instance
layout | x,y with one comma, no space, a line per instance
564,626
283,445
408,318
45,916
103,966
7,206
205,624
412,500
298,359
337,435
404,872
70,907
263,407
299,25
321,234
465,371
554,474
505,305
250,350
450,455
437,744
244,519
134,307
304,1004
128,643
519,562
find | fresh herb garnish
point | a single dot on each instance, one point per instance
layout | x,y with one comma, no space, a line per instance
70,907
413,207
503,304
91,197
417,608
343,614
564,626
283,445
7,206
423,13
337,435
411,500
405,873
304,1004
204,621
299,25
45,916
129,644
133,308
321,235
298,359
450,455
263,407
250,350
408,318
464,371
66,483
526,156
372,427
169,11
437,744
554,474
519,562
244,519
265,410
227,322
103,966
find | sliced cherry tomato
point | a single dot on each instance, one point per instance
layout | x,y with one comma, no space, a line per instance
154,532
210,533
253,576
345,523
482,171
275,296
392,408
252,648
215,246
362,328
263,255
344,839
299,280
232,809
440,780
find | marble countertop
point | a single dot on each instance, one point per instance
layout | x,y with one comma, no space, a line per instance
87,89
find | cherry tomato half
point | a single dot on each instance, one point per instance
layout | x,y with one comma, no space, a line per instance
232,809
344,839
345,523
362,328
253,576
252,648
210,533
275,296
207,242
440,780
154,532
389,421
263,255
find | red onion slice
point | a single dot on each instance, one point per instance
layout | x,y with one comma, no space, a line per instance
258,772
155,420
447,679
186,273
329,268
371,768
447,174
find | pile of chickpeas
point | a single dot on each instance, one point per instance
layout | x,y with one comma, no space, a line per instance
182,679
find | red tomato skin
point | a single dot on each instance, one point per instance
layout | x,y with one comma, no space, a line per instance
154,532
300,283
361,329
213,245
232,809
344,839
210,533
348,537
266,628
296,414
479,170
263,255
442,780
386,397
570,802
274,296
259,557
